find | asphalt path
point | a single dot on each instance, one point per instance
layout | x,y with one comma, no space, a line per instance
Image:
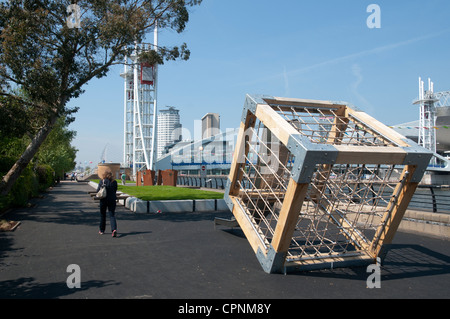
182,256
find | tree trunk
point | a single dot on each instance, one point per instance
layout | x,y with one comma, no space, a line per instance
14,173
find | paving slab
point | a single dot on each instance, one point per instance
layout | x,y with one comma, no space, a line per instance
182,256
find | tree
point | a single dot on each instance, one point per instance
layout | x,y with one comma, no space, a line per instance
49,59
57,151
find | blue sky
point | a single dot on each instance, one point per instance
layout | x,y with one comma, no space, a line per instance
291,48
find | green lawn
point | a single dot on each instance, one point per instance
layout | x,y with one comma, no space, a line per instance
166,192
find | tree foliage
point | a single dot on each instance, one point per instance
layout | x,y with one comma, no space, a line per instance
55,156
57,151
49,61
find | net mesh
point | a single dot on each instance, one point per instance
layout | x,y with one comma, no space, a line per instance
344,203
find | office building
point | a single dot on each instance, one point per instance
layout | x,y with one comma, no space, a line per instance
210,125
169,128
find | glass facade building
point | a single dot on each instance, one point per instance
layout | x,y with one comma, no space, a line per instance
169,129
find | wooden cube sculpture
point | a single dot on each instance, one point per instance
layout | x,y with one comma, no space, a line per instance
319,184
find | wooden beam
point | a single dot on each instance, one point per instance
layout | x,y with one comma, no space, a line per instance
288,217
369,155
394,211
330,262
335,137
379,127
275,123
240,153
243,218
340,123
282,101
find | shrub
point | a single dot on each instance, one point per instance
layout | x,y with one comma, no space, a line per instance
28,185
25,187
45,175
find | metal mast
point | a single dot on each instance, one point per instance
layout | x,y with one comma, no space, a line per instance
140,109
427,130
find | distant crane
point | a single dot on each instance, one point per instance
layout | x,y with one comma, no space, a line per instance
104,153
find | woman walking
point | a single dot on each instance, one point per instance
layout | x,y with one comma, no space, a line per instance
108,202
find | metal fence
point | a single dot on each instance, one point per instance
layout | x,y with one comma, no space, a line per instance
213,182
428,198
431,198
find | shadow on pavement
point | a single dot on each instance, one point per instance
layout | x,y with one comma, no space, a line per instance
28,288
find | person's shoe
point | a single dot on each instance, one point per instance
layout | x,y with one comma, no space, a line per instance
100,232
114,233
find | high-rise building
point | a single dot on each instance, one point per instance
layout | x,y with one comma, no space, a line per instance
169,128
210,125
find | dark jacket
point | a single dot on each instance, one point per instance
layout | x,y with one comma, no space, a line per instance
111,189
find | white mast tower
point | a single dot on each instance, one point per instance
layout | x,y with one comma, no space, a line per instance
427,130
140,109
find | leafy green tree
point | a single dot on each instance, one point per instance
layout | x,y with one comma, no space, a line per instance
57,151
50,58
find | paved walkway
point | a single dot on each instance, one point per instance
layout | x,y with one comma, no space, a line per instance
182,256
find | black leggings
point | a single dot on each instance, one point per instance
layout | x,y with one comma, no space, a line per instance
111,205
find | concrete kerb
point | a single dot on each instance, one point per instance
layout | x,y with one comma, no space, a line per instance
93,184
178,206
426,223
139,206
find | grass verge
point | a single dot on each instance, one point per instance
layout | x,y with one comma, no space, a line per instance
168,193
161,192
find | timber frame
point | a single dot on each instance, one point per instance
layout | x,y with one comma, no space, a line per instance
319,184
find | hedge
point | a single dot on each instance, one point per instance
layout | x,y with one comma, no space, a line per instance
46,177
28,185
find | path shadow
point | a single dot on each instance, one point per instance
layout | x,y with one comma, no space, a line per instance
407,261
121,235
6,247
181,217
402,261
237,232
28,288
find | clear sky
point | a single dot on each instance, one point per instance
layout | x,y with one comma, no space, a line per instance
290,48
